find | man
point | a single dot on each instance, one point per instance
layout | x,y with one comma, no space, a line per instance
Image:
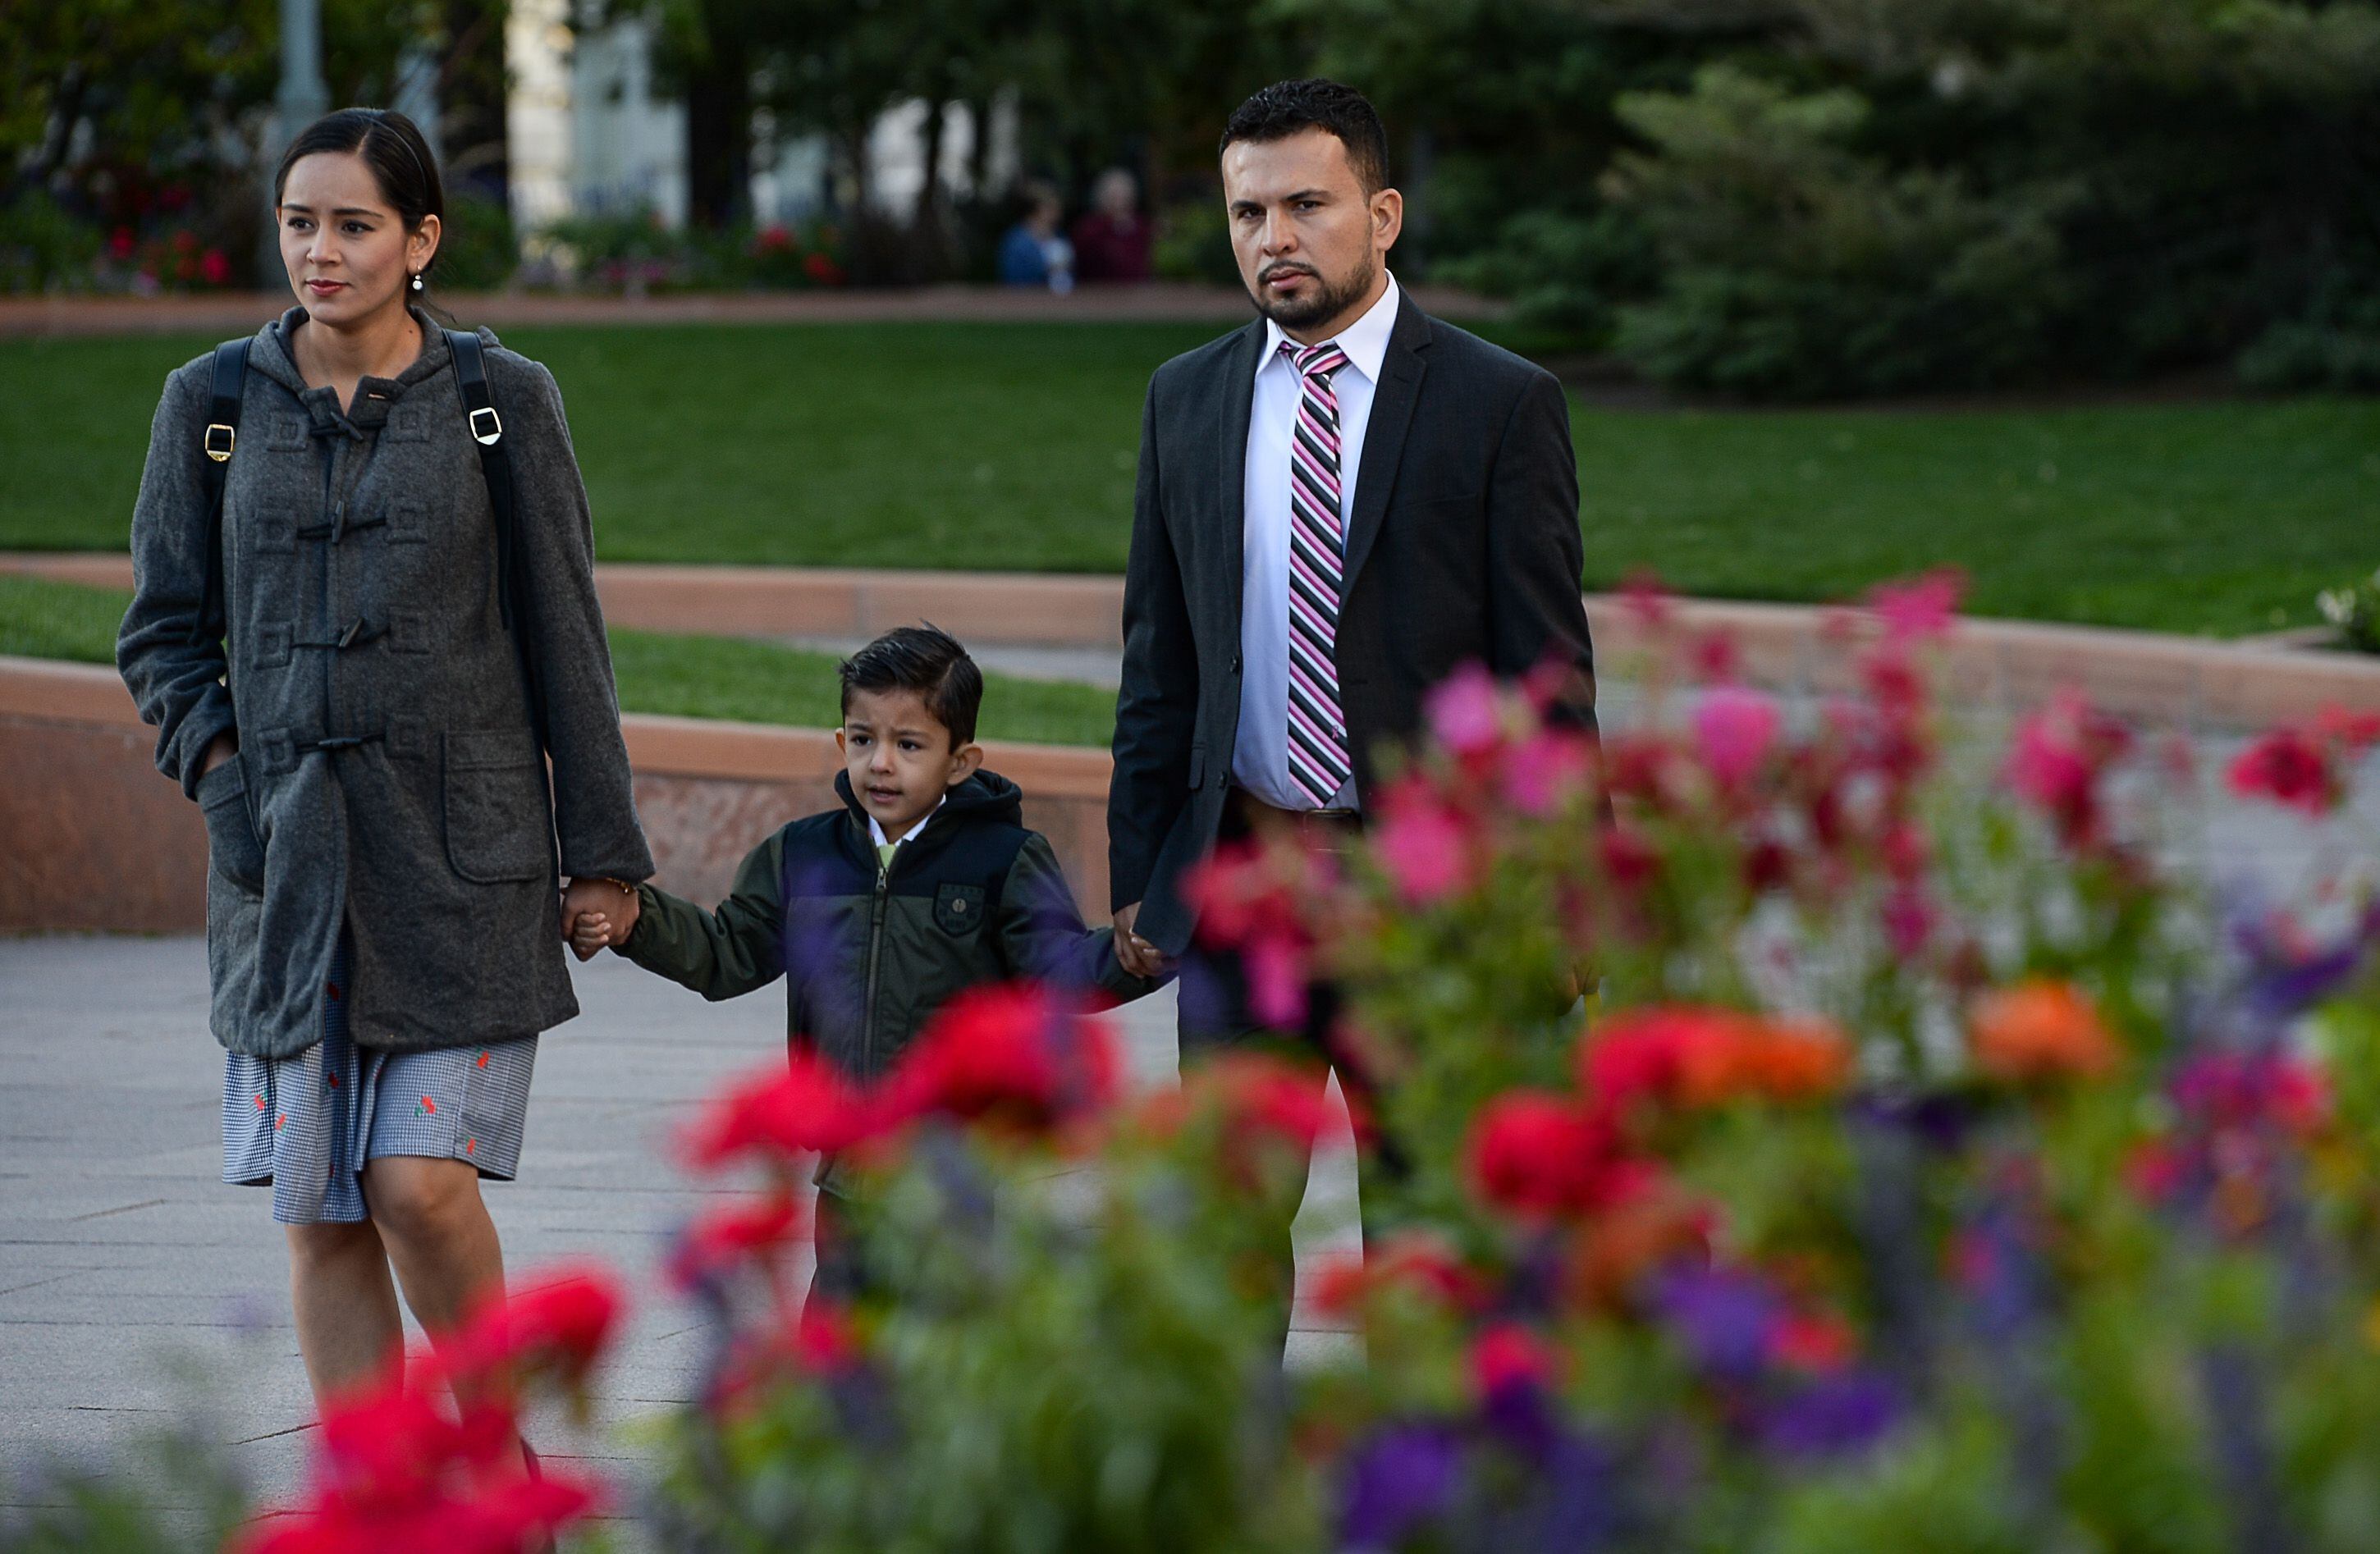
1338,504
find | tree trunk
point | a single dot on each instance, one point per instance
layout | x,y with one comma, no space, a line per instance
471,95
719,137
925,222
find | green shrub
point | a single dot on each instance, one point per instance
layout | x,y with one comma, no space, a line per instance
44,248
478,249
1794,266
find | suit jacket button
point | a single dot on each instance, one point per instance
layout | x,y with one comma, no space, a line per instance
1235,664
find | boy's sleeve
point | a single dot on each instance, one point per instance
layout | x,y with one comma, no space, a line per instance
1043,935
720,954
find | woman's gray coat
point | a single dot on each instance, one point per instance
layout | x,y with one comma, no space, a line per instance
387,772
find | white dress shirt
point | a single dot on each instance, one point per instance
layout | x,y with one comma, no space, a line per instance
1260,754
876,830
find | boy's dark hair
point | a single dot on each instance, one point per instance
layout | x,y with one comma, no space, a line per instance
928,660
1284,108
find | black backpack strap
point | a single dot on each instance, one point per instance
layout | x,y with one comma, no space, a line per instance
487,428
221,435
495,461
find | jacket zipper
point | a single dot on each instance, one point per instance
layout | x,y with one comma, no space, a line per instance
875,956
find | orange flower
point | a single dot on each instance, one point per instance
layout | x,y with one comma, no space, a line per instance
1796,1060
2040,1029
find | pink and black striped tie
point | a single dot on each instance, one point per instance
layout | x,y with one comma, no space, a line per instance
1318,763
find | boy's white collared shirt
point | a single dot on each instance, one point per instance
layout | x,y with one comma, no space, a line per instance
875,833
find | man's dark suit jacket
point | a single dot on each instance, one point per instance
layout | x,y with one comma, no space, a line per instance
1463,547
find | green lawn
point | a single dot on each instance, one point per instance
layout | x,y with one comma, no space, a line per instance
692,676
1011,446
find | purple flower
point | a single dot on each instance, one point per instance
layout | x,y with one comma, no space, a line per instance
1833,1415
1724,1317
1396,1480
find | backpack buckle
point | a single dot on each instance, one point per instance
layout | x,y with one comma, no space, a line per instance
494,428
230,436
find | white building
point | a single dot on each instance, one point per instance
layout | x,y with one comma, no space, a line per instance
589,135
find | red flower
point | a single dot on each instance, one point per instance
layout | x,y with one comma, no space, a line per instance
804,1105
1536,1154
1410,1261
560,1324
825,1344
1816,1342
214,267
1508,1356
822,270
1688,1057
1267,1099
2287,768
725,1238
1012,1054
1674,1055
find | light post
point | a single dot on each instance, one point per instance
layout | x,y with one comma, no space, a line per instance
303,98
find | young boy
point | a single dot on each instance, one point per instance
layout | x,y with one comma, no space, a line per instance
925,883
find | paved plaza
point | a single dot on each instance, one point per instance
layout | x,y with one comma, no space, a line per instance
139,1293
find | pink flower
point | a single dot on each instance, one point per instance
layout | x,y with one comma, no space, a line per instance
1423,844
1918,610
2057,759
1647,602
1465,710
214,267
1735,728
1544,769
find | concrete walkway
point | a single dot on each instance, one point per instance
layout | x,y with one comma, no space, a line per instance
136,1292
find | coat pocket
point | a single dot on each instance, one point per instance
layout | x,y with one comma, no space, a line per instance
496,824
958,909
234,848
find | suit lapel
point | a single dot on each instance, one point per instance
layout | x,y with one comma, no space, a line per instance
1384,434
1228,555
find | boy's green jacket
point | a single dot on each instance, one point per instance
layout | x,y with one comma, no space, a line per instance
868,954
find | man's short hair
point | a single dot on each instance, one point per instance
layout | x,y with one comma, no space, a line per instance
928,660
1285,108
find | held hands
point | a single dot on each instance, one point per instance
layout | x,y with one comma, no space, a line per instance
596,913
1135,954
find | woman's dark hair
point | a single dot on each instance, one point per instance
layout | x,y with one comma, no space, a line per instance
1284,108
392,146
928,660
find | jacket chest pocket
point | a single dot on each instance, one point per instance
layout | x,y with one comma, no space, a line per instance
496,824
958,909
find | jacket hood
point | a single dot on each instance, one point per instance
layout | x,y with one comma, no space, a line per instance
985,797
271,357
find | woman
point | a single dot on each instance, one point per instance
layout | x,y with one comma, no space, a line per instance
357,723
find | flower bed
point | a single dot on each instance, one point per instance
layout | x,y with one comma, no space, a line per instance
1937,1166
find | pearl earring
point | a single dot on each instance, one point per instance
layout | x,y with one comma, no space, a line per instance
417,280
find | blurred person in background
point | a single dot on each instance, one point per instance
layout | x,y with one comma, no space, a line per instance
1111,238
1034,253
